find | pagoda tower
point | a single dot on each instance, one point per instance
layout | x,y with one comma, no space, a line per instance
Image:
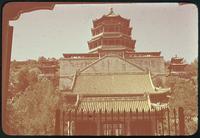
111,34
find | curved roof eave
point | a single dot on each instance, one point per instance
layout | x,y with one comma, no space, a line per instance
161,90
107,16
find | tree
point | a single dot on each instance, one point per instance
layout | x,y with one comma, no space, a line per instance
32,77
26,77
32,112
184,94
22,78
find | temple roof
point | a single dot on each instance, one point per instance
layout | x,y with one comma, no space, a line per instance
115,83
110,14
114,103
110,35
176,59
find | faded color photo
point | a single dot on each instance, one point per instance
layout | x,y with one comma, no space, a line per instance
114,69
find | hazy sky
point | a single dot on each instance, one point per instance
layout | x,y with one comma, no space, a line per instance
169,28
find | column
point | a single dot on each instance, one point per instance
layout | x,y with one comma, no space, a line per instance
128,127
98,127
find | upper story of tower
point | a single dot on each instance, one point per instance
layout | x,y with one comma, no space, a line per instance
111,32
111,23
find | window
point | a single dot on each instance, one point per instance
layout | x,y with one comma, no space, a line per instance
117,42
105,42
117,28
109,42
98,43
105,29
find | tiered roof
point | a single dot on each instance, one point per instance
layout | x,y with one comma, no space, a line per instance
109,15
177,60
111,30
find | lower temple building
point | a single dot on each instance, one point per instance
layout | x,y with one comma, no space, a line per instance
93,95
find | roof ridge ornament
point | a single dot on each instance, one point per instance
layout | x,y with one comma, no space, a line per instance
111,12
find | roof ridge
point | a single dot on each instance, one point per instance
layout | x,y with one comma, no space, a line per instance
134,64
101,99
112,55
74,81
114,73
81,70
149,75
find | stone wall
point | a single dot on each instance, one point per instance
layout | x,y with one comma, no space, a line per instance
155,64
68,67
112,64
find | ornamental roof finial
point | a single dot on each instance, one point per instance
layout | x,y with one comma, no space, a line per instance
111,12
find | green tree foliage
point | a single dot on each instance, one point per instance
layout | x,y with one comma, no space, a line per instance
32,112
22,78
32,77
184,94
25,78
55,80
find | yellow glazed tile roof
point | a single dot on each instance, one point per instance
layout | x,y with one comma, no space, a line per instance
109,103
121,83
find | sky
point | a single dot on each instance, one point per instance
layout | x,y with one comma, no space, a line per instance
166,27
